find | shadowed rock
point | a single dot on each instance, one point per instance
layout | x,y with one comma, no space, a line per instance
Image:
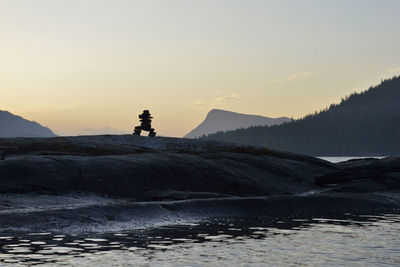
135,174
133,166
132,181
369,175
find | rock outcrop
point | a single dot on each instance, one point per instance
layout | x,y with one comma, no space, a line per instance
138,167
158,178
363,176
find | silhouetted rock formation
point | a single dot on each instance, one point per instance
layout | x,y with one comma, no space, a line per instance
363,176
210,179
139,168
164,165
16,126
221,120
366,123
145,124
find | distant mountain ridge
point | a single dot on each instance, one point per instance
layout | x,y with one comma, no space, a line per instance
15,126
363,124
221,120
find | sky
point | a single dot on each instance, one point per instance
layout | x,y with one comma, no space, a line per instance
74,65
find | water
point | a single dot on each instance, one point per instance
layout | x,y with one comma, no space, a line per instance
340,159
345,240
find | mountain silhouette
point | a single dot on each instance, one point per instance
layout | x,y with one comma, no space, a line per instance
222,120
16,126
363,124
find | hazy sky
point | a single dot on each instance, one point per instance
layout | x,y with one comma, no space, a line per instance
92,64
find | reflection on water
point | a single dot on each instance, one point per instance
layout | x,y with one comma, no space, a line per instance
348,240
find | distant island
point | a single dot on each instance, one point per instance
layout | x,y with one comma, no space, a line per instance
223,120
362,124
15,126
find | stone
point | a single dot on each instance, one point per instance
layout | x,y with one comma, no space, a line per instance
145,124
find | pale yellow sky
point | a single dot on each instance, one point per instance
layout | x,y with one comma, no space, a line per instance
93,64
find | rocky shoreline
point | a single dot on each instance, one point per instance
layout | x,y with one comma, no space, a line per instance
174,179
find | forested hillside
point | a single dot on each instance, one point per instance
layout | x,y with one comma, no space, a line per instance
366,123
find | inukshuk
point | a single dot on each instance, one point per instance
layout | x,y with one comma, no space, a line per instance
145,124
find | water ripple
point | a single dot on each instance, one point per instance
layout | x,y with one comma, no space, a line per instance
348,240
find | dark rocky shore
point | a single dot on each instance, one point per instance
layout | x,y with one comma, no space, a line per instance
131,181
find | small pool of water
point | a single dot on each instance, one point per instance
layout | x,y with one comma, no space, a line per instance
345,240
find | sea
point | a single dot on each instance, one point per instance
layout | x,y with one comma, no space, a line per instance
346,240
338,240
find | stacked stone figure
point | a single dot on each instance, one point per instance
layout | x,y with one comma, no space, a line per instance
145,124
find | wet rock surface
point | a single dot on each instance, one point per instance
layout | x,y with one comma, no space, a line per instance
168,179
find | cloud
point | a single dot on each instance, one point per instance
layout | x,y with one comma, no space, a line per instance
199,102
220,100
226,97
394,70
300,75
274,81
292,77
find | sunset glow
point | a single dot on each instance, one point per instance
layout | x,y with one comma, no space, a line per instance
72,65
